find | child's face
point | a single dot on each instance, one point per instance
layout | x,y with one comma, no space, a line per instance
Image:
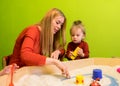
76,35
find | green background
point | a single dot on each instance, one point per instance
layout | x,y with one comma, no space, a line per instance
100,17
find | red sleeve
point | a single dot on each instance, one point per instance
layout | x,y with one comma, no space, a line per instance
28,56
68,50
85,48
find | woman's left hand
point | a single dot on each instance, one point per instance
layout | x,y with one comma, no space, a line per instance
55,54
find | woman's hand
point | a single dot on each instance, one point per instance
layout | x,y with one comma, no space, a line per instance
55,54
60,65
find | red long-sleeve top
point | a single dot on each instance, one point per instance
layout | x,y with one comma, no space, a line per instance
83,45
27,51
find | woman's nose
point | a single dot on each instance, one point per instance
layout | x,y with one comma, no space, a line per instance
59,26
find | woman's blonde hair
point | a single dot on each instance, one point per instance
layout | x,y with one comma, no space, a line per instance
48,40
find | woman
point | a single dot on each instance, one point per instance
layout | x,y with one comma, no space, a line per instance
38,42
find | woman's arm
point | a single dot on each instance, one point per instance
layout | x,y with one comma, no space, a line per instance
30,49
59,64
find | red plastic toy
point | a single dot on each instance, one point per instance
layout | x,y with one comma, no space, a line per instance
11,75
95,82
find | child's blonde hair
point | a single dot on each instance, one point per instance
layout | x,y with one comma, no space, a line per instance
78,25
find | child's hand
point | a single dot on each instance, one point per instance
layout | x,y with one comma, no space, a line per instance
70,54
80,52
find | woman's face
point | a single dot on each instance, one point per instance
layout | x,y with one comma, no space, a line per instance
57,22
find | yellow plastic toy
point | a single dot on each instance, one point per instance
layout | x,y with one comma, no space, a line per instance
79,79
74,54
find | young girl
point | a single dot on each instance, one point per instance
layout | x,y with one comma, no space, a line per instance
77,48
37,43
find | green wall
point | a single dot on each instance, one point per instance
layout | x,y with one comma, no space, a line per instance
100,17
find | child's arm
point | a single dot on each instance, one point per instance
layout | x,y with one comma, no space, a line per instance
80,53
69,51
84,52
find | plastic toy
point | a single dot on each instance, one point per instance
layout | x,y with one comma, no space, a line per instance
11,75
97,73
95,82
118,70
79,79
74,54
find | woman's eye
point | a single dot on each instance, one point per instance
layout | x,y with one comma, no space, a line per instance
72,35
57,22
